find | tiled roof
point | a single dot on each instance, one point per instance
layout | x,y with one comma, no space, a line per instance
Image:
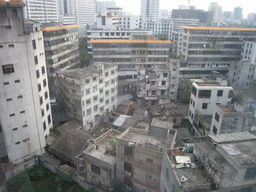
219,28
11,2
56,28
129,41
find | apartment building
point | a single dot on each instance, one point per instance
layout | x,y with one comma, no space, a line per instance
107,21
85,13
132,22
219,163
177,23
61,50
25,113
158,85
149,9
140,51
215,11
241,74
159,26
67,12
205,95
249,51
237,117
139,156
87,94
41,11
205,49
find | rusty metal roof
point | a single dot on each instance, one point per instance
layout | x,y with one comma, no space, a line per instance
11,2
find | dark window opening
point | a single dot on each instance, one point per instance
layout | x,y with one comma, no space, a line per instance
217,117
204,105
214,130
8,68
204,93
220,93
128,151
194,90
95,169
127,166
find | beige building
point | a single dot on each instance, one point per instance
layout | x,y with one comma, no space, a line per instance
139,156
61,50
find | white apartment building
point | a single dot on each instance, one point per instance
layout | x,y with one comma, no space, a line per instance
67,11
249,51
130,21
41,11
215,11
159,26
85,12
179,22
149,9
101,7
87,94
25,113
107,21
204,96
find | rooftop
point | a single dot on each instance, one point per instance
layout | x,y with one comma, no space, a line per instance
101,149
161,124
57,28
129,41
232,137
140,138
227,108
218,28
247,96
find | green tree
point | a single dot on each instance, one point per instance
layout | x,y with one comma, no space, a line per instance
83,51
184,91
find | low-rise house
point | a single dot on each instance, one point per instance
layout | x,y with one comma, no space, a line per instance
139,158
220,163
97,164
237,117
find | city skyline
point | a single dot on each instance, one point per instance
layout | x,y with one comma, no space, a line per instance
133,6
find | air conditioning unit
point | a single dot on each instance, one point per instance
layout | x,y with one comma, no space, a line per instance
131,144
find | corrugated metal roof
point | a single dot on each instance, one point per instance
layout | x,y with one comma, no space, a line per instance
56,28
232,137
218,28
12,2
129,41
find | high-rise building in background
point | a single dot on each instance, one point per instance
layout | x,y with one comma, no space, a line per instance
102,6
41,11
86,12
149,9
238,13
215,11
67,11
25,113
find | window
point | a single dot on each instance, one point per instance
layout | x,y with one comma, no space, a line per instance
95,107
214,130
11,45
9,99
102,109
34,44
107,92
94,78
6,83
101,90
250,173
95,98
39,87
41,100
127,166
106,74
14,129
36,59
88,111
95,169
24,125
17,81
42,112
204,105
163,82
165,75
44,125
128,150
153,82
43,70
162,92
17,143
235,121
13,114
101,100
220,93
101,81
46,95
107,101
44,82
22,111
217,117
49,119
87,81
19,97
37,74
7,69
194,90
149,160
87,91
204,93
112,72
47,107
154,92
88,101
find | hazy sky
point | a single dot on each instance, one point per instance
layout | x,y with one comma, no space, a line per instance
248,6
